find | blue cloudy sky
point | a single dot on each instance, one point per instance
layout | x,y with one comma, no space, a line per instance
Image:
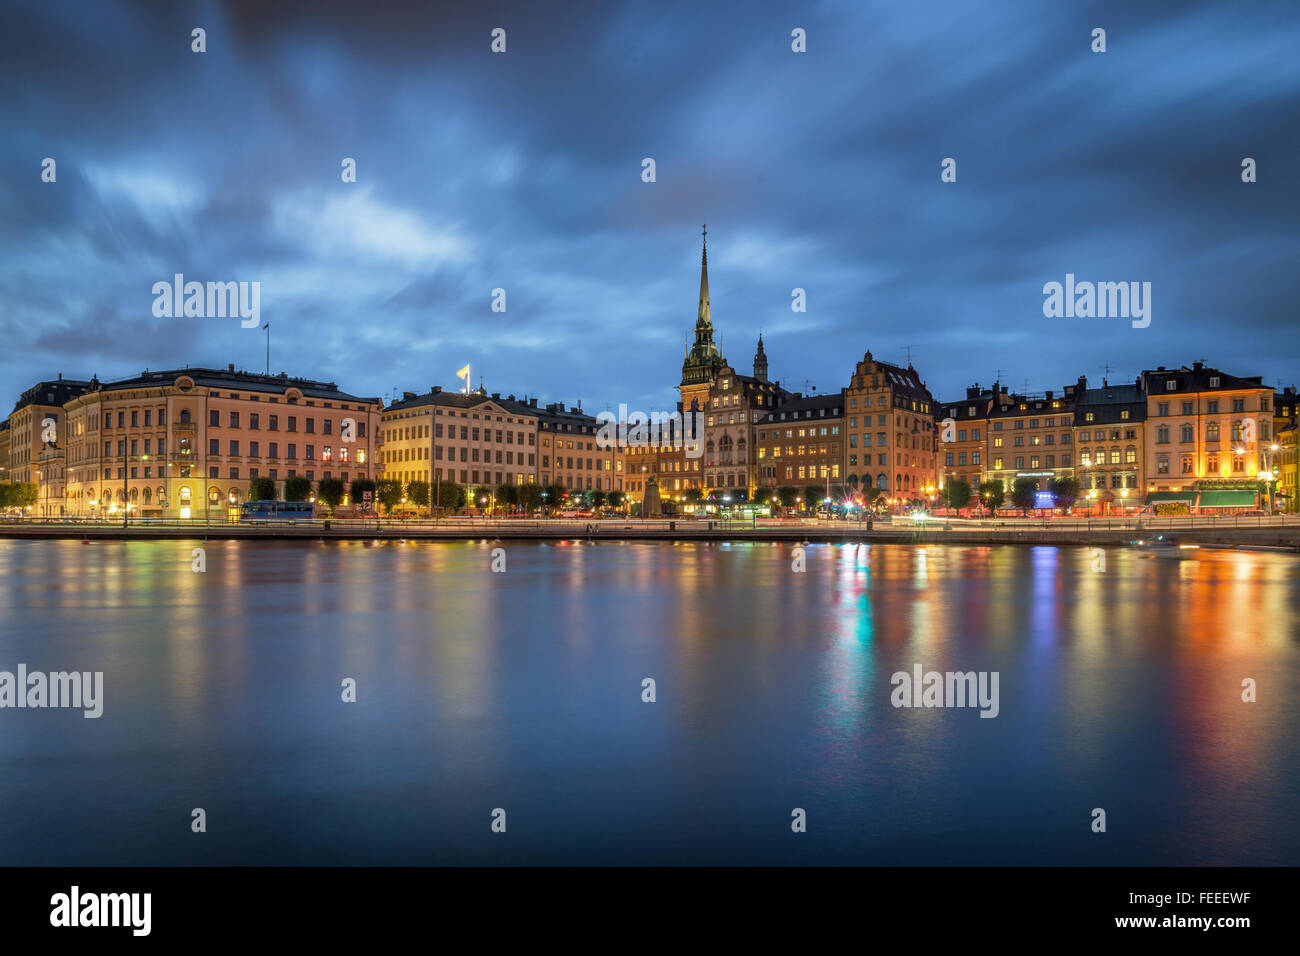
523,171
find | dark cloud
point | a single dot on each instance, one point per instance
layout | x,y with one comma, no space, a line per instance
522,171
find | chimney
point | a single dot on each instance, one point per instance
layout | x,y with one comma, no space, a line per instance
496,395
230,367
435,390
1197,366
407,396
532,403
1049,394
510,398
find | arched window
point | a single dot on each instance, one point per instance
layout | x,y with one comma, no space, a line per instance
882,481
185,416
187,497
214,496
148,496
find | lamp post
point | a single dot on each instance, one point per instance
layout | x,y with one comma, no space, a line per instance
1268,471
126,498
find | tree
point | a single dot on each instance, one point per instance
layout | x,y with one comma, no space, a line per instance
530,497
481,498
1065,491
812,496
598,498
330,492
25,493
553,495
297,488
418,493
958,493
1023,492
357,491
763,495
388,492
993,494
261,489
451,496
616,499
787,495
738,495
694,495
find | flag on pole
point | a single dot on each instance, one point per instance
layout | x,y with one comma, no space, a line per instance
464,373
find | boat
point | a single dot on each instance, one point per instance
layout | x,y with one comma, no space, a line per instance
1166,546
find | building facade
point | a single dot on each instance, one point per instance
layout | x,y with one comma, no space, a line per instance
801,444
963,430
186,442
1109,440
1031,436
892,435
474,439
38,440
1208,434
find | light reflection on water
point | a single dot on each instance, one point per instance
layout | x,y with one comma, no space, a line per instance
522,690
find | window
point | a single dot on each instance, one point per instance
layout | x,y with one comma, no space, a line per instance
214,418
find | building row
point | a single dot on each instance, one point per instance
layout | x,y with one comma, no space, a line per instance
188,441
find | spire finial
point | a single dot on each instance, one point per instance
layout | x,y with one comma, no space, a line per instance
703,318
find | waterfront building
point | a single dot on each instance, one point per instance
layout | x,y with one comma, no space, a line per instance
963,431
1109,441
572,456
474,439
891,432
5,436
801,443
38,440
1285,424
1208,434
187,442
1031,436
735,403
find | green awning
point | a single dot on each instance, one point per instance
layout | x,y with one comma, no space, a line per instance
1187,496
1227,499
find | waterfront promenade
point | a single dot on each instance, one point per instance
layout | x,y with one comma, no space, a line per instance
1282,531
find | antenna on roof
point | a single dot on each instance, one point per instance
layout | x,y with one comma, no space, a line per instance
908,350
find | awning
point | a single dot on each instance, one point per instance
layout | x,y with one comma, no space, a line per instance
1227,499
1155,496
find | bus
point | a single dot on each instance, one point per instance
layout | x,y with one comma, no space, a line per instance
253,511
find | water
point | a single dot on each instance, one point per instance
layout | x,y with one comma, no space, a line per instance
522,690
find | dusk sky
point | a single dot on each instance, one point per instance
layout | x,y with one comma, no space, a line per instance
523,171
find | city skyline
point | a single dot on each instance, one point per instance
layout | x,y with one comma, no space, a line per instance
232,173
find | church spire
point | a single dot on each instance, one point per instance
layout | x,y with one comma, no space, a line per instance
760,361
704,317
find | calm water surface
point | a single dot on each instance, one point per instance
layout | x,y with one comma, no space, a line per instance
522,690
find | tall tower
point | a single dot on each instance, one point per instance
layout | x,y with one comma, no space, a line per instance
760,361
700,368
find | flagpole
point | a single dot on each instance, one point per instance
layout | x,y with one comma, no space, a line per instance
267,327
